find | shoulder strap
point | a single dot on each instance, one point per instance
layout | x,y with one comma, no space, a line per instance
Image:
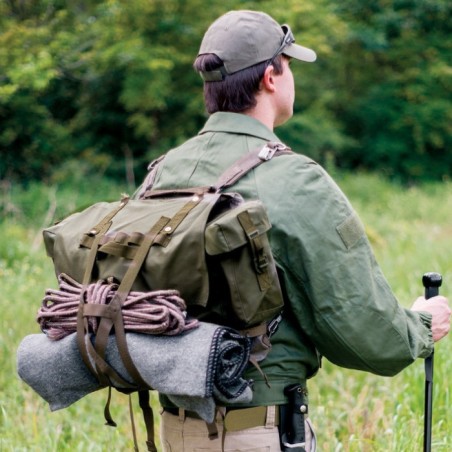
248,162
241,167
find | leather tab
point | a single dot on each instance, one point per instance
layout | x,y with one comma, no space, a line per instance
259,257
255,330
148,416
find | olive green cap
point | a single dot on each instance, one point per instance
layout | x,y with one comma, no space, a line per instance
244,38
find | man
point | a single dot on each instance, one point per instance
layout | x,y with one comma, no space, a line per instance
337,301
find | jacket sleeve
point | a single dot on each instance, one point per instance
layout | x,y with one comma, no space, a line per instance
336,289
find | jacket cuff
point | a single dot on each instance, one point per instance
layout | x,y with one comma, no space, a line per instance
426,319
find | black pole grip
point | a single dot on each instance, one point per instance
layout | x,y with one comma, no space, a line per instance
431,281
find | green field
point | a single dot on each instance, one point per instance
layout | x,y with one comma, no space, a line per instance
411,230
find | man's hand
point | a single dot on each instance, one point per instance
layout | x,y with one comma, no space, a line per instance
439,308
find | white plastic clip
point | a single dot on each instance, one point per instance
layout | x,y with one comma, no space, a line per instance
267,152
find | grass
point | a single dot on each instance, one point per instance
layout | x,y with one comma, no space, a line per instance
353,411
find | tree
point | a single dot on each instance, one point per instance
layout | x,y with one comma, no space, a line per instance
106,86
395,86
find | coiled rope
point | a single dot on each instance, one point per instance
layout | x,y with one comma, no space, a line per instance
156,312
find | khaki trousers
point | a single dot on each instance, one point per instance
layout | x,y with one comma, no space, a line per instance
185,434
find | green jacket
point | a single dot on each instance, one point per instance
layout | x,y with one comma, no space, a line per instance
338,303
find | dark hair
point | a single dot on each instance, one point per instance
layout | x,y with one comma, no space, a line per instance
237,92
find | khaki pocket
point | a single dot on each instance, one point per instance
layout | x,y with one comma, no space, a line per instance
239,241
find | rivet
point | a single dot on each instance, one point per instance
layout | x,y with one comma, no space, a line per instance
195,198
303,409
168,229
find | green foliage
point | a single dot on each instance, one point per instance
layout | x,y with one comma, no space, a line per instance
395,62
110,83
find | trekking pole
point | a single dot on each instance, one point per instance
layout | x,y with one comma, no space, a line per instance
432,282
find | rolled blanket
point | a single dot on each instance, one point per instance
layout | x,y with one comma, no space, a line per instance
196,370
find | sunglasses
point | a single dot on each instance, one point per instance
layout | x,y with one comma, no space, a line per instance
288,39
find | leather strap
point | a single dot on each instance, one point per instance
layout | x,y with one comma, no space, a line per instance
113,309
254,331
248,162
148,416
242,166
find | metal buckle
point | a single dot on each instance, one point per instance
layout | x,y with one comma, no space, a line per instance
273,325
269,150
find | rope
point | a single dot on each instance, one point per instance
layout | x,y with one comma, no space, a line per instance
157,312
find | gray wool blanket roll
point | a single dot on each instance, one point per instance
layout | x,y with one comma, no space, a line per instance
197,370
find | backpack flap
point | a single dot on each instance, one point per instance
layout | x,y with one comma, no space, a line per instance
176,259
238,239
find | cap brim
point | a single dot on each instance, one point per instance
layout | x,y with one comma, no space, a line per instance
300,53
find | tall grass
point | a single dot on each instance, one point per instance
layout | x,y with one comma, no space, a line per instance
411,231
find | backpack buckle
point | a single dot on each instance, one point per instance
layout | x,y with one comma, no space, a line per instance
269,150
273,325
266,153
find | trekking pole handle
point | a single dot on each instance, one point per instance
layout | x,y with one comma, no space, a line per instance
431,281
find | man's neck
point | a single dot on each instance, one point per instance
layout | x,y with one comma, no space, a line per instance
265,119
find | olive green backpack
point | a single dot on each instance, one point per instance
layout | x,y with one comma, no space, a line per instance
209,245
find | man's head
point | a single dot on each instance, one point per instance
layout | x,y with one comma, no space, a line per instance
234,54
242,39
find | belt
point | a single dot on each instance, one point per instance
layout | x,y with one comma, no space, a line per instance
236,418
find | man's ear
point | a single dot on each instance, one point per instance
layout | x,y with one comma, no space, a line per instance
268,79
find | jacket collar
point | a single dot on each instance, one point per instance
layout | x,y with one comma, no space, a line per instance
239,124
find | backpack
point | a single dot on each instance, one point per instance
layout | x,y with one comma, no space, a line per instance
209,245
